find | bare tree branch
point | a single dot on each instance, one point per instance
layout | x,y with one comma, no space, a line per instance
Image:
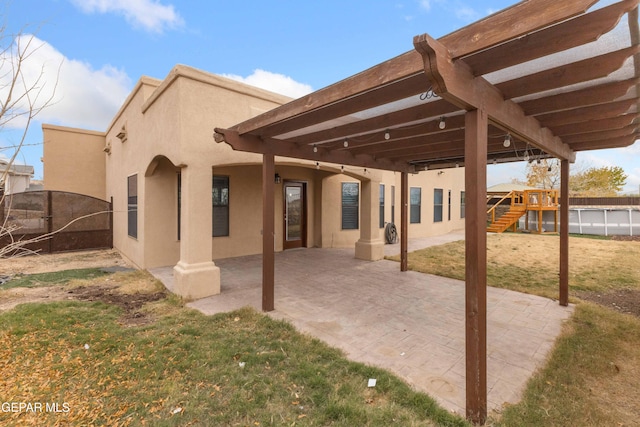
22,98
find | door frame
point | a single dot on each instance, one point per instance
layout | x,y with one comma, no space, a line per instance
302,243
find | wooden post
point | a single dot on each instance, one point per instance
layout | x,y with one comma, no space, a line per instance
268,255
404,221
564,233
476,129
539,220
49,218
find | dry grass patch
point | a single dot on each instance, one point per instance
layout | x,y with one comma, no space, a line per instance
591,378
530,263
47,263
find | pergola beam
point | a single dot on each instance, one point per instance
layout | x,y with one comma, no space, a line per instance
623,141
600,136
454,82
585,114
595,125
550,40
474,38
417,142
566,75
377,142
412,114
580,98
380,95
253,144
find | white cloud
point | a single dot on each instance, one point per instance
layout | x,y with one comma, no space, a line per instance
81,96
425,4
633,149
467,14
274,82
150,15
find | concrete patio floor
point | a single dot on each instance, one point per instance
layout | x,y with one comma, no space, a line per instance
409,323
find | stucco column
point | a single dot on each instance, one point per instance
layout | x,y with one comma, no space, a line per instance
370,246
196,276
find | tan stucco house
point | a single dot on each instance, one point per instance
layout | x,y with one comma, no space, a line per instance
181,199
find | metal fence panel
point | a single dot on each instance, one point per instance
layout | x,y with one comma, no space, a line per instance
73,221
594,221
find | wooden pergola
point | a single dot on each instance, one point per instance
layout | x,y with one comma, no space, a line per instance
541,79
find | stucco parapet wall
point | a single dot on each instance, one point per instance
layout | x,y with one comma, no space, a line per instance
144,81
214,80
74,130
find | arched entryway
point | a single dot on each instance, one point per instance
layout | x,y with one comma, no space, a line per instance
161,214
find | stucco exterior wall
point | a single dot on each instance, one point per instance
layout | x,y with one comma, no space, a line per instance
74,160
446,180
165,130
171,123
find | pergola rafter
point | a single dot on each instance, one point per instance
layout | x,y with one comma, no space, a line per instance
552,77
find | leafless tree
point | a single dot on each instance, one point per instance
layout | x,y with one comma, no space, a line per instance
22,97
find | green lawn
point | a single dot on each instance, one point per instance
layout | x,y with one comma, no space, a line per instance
184,368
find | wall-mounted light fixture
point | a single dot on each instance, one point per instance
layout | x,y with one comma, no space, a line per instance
387,135
277,179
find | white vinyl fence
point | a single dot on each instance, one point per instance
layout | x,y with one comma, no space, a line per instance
595,221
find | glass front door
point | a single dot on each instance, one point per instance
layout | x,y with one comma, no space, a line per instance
294,215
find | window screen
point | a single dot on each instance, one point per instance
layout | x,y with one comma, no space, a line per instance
381,205
415,198
350,214
132,206
437,205
220,198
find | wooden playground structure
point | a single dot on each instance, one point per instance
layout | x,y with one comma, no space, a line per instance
523,202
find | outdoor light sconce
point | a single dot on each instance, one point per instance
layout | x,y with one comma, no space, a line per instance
277,179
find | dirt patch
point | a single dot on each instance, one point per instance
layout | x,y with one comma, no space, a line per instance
130,303
625,301
626,238
130,291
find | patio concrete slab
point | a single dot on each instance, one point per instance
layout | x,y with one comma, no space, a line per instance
409,323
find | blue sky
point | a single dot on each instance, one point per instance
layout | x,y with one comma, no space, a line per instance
102,48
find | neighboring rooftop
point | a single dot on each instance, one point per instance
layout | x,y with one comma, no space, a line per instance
15,169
